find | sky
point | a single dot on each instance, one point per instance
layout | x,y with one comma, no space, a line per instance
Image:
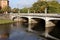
22,3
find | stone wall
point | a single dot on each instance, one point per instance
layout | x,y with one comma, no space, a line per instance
4,16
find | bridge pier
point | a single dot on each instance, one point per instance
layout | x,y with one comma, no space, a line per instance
48,27
29,24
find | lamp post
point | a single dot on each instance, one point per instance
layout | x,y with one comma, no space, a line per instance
28,11
18,8
34,11
46,34
46,10
46,7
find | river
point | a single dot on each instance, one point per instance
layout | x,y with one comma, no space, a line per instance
17,31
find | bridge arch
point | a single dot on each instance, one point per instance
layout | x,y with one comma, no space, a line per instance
53,19
13,18
38,18
18,18
55,32
25,19
40,25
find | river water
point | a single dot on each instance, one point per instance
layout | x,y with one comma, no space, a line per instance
17,31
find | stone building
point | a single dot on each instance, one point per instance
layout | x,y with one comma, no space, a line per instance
4,3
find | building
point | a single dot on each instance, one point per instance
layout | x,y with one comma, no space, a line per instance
4,3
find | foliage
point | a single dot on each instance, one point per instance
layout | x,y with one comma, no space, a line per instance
1,11
24,10
39,6
15,10
6,9
52,7
3,21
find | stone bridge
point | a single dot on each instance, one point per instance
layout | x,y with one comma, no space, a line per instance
43,16
46,17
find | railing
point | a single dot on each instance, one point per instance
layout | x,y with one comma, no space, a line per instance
35,14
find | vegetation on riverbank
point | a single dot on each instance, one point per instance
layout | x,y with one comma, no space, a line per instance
6,21
38,7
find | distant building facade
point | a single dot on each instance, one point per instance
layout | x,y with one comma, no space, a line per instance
4,3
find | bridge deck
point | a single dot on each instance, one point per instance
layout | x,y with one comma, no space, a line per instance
37,14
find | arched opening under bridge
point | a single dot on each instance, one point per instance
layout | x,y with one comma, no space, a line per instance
14,18
40,25
24,19
55,31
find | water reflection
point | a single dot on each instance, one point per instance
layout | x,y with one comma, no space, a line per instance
4,31
17,31
53,32
56,31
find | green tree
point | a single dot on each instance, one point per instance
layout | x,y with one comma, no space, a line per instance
24,10
32,10
15,10
1,11
6,9
39,6
53,7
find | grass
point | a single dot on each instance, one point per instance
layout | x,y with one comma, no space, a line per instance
5,21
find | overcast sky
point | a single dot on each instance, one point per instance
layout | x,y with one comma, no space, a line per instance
21,3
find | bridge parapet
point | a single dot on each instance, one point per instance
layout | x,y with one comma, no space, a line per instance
35,14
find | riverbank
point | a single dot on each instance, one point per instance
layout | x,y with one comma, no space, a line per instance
3,21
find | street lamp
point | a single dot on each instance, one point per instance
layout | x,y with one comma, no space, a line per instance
28,10
34,11
46,34
46,7
46,10
19,11
18,8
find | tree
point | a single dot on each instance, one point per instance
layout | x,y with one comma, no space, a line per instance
15,10
39,6
32,10
24,10
53,7
1,11
6,9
